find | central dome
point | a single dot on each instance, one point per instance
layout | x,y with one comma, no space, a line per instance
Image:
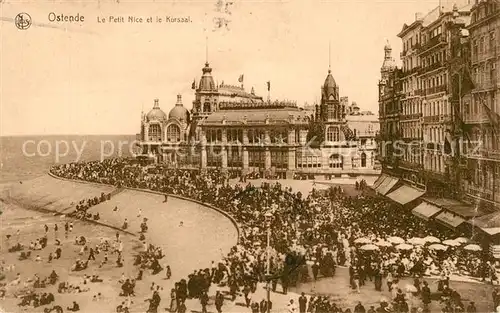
156,113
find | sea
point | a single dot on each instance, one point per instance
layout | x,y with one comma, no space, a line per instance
27,157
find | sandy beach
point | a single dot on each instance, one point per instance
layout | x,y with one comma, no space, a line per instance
186,246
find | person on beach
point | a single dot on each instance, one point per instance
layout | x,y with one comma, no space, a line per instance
204,302
219,301
168,273
173,301
74,308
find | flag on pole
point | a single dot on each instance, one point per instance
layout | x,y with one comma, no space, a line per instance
193,85
241,78
268,85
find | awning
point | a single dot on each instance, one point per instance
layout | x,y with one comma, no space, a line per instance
379,180
449,219
491,220
459,208
387,185
405,194
426,210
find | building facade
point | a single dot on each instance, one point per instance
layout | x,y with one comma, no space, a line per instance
235,130
481,113
389,112
446,171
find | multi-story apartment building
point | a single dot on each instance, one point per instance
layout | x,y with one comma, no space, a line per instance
411,164
389,87
481,113
426,117
434,50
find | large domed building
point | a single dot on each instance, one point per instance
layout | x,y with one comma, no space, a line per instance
238,131
162,135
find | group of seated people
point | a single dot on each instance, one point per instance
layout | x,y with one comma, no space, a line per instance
149,259
79,265
36,300
38,244
85,204
128,288
65,287
42,283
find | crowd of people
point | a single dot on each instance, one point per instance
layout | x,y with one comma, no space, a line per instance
317,232
81,209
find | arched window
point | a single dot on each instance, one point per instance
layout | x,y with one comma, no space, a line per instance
363,159
173,133
154,133
333,134
206,107
336,161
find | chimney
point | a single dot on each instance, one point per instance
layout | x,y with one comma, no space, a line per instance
179,100
419,16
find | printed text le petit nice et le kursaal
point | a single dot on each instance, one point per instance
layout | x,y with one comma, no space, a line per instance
144,19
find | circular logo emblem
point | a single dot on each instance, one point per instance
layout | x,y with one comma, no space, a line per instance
23,21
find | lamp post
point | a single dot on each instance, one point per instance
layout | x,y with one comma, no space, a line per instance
268,217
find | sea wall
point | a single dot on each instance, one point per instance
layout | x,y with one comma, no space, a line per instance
207,205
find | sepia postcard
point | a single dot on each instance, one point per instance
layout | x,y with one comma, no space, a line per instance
250,156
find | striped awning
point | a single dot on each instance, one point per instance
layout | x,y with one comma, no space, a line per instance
386,186
405,194
449,219
426,210
379,180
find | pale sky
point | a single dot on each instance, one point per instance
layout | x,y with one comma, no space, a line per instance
94,78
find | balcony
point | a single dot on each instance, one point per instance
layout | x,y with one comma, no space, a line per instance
479,192
433,146
476,118
486,85
436,89
433,42
411,72
431,119
410,165
432,67
439,176
480,57
414,116
484,154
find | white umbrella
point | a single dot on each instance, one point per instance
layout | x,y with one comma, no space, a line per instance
473,247
383,243
404,246
432,239
410,288
451,243
462,240
438,246
362,241
417,241
396,240
369,247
